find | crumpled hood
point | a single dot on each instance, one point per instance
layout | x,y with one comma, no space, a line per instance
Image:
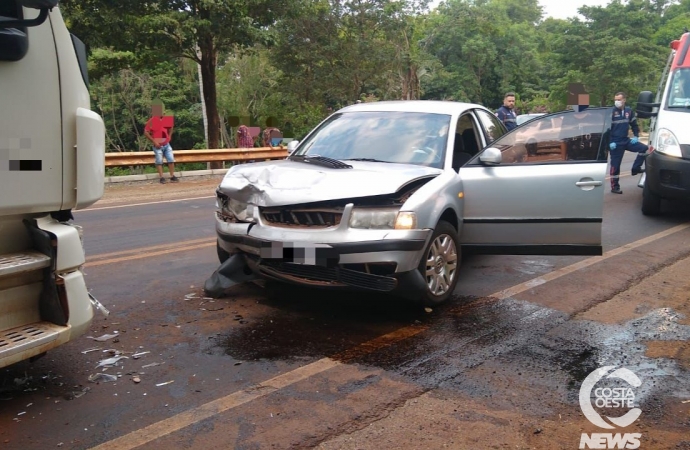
285,182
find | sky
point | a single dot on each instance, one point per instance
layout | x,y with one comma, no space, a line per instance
559,9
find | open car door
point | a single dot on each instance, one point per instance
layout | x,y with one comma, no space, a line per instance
540,188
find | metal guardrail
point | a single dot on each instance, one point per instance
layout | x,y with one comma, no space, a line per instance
118,159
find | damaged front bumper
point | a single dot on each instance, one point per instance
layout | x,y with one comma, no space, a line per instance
384,260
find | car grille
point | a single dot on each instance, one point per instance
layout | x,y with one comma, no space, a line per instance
331,274
302,217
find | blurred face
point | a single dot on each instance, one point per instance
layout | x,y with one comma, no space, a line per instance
619,101
157,110
509,102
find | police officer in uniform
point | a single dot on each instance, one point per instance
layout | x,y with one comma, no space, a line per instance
506,113
623,119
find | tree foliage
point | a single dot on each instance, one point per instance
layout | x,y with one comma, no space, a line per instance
295,61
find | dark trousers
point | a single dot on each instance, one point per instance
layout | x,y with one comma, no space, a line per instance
617,158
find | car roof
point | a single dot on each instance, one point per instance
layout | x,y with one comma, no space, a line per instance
424,106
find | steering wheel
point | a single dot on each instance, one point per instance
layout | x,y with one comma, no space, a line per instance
428,153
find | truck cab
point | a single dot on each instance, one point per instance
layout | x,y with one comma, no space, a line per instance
667,173
52,152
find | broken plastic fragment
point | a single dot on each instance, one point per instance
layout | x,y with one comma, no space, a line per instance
89,350
103,338
98,305
102,377
233,271
151,365
110,361
137,355
76,394
163,384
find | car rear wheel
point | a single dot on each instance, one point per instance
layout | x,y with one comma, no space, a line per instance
440,264
651,203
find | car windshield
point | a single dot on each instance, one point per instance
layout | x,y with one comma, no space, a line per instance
392,137
679,90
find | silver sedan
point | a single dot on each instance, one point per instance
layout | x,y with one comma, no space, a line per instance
386,196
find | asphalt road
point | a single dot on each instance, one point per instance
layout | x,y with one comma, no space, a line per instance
275,367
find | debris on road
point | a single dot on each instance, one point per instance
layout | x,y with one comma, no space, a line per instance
232,272
102,377
76,394
111,361
163,384
89,350
151,365
138,355
104,338
136,379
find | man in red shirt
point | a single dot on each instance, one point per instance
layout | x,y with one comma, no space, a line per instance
159,130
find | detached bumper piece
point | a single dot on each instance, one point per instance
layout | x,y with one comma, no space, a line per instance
323,276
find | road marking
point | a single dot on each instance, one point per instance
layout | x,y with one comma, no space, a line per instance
152,248
513,291
215,407
231,401
144,204
147,254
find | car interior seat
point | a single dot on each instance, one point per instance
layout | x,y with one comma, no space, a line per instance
469,140
460,157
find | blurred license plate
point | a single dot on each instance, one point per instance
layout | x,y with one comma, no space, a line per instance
300,253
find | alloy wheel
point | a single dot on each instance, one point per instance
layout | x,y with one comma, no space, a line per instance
441,265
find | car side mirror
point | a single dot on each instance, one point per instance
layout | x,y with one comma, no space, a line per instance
645,105
292,145
491,157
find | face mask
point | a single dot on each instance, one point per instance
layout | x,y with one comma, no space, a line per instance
619,104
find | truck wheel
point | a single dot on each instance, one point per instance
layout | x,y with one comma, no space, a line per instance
651,203
440,263
222,254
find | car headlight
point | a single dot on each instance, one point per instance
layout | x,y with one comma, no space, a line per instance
406,220
667,143
373,218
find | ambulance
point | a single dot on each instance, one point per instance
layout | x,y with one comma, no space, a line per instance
667,173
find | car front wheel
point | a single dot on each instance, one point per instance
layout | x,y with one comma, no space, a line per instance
440,264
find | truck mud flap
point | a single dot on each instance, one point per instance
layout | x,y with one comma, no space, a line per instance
53,306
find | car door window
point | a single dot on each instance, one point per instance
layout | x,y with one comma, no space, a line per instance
556,138
466,145
493,128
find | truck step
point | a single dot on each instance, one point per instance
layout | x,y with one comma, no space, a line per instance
15,263
23,338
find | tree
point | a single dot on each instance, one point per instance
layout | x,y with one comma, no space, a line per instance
163,29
